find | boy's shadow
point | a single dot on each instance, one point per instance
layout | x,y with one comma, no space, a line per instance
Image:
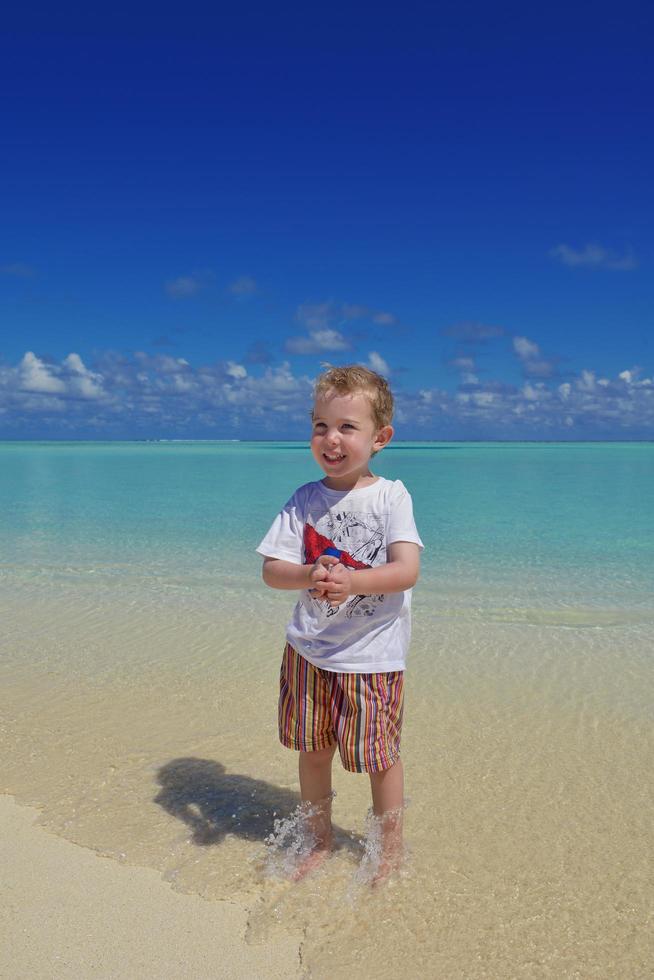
215,803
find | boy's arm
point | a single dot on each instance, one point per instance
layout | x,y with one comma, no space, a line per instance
280,574
398,574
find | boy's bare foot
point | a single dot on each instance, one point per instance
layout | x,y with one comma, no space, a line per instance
388,864
315,829
311,862
386,852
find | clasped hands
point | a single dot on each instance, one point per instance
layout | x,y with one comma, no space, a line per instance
330,580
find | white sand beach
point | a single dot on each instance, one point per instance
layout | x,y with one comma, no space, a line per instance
68,912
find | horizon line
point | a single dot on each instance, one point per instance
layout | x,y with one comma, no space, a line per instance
151,441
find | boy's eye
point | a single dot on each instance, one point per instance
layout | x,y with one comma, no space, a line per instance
321,426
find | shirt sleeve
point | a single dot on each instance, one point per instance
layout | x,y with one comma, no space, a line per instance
401,525
286,533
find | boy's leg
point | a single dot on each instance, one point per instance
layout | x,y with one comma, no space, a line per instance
367,714
387,789
388,806
305,725
316,790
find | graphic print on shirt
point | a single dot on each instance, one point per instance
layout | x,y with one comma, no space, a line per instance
359,538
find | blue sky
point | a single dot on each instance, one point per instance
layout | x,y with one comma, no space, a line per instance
202,206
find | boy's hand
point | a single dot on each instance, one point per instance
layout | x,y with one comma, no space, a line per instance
319,576
339,584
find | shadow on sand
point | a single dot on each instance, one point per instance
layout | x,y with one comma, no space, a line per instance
214,803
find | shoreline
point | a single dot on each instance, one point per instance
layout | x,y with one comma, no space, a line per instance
69,912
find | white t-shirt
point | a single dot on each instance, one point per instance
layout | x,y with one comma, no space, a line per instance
365,634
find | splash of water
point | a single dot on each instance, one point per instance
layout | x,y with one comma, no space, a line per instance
384,852
292,840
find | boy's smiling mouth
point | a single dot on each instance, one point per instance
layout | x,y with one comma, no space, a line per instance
336,458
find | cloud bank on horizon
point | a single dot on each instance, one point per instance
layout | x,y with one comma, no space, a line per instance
148,396
265,391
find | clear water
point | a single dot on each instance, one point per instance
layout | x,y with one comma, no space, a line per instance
138,672
525,523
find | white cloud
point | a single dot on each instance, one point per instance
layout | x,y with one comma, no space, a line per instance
525,349
183,286
586,382
315,316
75,363
385,319
36,375
533,362
539,408
162,363
183,383
464,363
594,257
87,388
377,363
483,398
190,285
325,339
81,381
320,316
148,395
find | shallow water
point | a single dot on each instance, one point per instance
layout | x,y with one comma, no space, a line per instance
139,711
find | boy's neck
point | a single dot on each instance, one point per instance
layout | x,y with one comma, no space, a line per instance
350,483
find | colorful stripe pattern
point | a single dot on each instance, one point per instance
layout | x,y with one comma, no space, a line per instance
362,713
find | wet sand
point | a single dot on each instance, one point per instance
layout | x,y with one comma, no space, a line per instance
148,735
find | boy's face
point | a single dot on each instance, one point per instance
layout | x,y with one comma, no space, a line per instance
344,437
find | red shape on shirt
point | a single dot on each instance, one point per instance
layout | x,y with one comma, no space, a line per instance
315,544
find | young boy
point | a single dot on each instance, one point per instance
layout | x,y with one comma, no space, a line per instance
349,543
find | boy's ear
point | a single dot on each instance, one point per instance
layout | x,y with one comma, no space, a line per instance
383,437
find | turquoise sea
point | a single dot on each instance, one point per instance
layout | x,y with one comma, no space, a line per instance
138,672
512,524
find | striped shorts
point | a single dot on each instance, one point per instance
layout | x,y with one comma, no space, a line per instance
361,713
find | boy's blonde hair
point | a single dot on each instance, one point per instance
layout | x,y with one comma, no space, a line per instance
354,379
